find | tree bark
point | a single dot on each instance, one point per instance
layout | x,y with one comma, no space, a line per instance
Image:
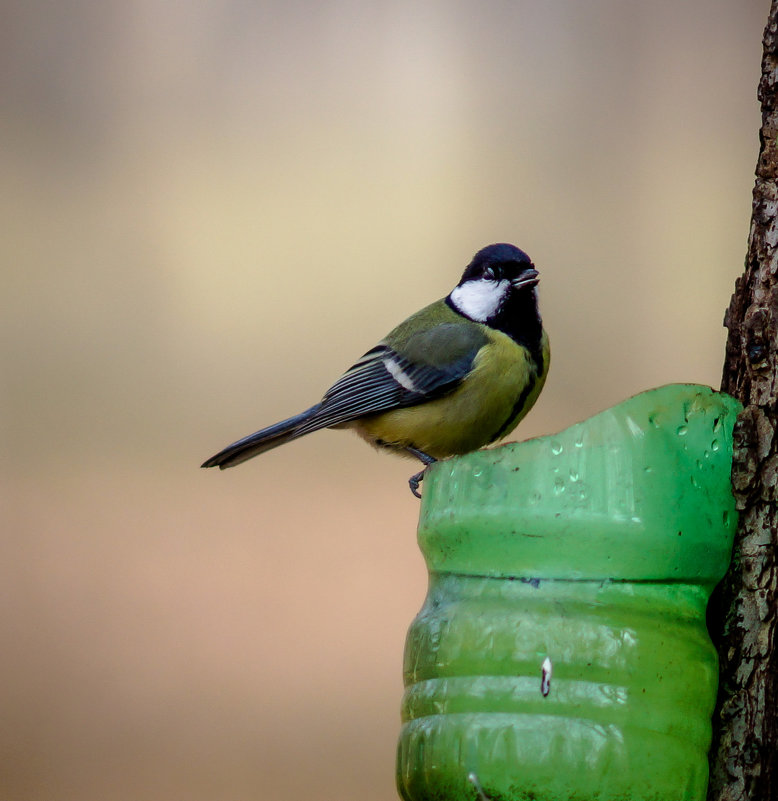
744,611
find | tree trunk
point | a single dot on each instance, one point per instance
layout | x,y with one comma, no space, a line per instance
743,614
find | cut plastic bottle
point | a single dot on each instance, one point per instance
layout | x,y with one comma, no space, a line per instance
561,652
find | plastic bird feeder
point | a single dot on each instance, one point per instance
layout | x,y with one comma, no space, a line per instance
561,652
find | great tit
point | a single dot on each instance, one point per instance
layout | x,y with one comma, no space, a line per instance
457,375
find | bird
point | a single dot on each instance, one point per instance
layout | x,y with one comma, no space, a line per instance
454,377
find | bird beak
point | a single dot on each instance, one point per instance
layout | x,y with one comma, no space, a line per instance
527,278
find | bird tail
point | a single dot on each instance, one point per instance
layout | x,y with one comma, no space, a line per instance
261,441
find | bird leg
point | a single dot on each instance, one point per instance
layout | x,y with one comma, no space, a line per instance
417,478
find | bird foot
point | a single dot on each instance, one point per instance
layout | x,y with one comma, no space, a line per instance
417,478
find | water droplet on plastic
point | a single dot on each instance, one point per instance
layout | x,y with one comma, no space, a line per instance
682,431
714,446
559,486
556,448
579,441
648,469
574,475
654,420
535,497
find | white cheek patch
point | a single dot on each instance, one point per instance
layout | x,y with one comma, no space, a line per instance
480,299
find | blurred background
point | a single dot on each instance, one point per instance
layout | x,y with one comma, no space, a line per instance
209,211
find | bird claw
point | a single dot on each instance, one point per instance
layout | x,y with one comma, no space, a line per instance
415,480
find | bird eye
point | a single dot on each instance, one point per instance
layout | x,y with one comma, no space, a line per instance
489,274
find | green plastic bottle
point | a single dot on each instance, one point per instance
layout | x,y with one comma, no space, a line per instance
561,652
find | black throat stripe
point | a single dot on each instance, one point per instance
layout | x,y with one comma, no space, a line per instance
517,407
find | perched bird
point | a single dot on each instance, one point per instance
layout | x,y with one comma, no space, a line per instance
457,375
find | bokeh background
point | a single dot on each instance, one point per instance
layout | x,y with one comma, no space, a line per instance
208,211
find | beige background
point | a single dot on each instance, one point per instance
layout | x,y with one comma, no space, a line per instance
209,210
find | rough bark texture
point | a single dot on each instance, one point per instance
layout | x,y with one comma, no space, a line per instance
743,616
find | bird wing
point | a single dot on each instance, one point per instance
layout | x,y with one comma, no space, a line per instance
428,365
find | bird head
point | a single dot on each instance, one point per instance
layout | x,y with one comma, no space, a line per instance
496,275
